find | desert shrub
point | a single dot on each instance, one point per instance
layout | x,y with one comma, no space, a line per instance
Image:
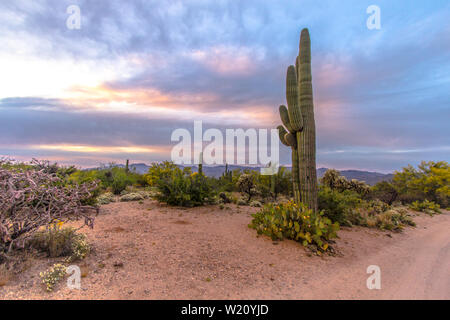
333,180
349,209
374,207
392,219
80,248
5,274
57,241
426,206
53,275
339,206
384,191
430,181
180,187
242,202
224,198
30,199
225,181
246,185
296,222
282,182
113,178
105,198
86,177
256,204
120,180
133,196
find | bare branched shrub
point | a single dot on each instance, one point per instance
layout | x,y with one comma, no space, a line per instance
33,196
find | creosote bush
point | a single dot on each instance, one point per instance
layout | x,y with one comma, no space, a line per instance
180,187
426,206
296,222
349,209
430,181
339,206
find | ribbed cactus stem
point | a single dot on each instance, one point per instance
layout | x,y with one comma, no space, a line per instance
298,119
295,115
306,139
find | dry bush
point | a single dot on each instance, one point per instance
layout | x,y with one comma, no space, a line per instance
33,196
5,275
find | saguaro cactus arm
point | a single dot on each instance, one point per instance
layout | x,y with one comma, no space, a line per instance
292,97
282,133
284,115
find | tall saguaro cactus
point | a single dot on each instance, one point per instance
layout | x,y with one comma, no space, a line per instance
299,130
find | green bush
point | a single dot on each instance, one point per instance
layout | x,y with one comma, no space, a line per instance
115,179
133,196
339,206
180,187
426,206
105,198
430,181
384,191
296,222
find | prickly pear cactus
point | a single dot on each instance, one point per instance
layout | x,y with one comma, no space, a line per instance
299,131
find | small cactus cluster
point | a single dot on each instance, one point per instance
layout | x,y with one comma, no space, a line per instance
333,179
298,130
228,174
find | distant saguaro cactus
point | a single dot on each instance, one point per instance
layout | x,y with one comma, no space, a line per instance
200,164
227,175
299,131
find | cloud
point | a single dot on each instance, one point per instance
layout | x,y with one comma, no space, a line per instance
136,70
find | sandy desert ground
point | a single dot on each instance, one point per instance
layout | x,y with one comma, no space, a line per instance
150,251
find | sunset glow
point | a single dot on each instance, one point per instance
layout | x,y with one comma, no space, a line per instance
126,79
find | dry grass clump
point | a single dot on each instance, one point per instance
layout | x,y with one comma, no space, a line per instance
61,242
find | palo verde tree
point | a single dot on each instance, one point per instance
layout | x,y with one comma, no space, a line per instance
299,131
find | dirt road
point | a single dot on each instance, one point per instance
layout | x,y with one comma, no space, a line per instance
149,251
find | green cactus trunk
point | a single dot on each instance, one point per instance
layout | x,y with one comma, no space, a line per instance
298,119
200,164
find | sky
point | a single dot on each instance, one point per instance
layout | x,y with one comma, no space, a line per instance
117,87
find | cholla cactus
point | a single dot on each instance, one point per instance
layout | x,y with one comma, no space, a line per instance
299,130
333,179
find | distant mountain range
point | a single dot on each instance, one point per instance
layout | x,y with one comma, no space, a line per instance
370,178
